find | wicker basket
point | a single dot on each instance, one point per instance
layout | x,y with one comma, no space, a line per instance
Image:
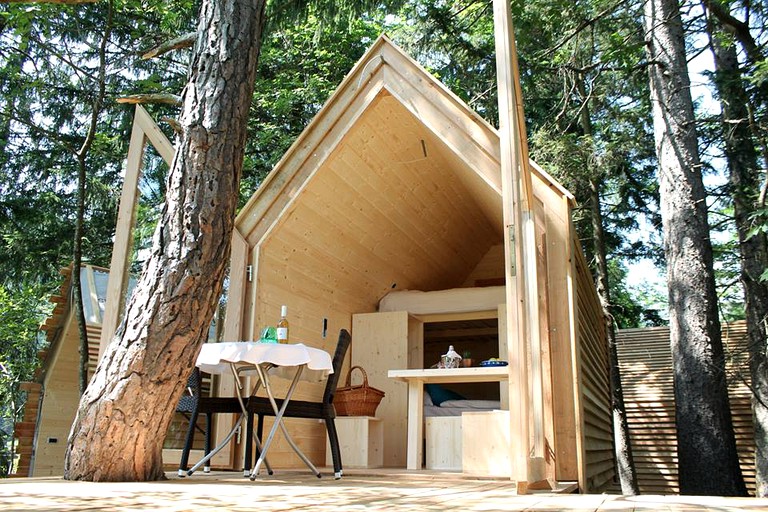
360,400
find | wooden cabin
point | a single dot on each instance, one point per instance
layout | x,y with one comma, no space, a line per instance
53,399
395,186
394,190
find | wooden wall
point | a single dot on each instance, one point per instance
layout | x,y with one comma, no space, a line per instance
556,315
593,378
377,215
59,403
24,431
490,270
645,360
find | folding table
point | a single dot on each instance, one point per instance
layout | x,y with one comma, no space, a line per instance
291,361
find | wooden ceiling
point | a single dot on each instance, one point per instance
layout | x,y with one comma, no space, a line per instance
394,207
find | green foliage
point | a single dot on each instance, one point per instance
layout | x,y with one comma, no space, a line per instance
635,306
454,41
300,66
48,77
21,312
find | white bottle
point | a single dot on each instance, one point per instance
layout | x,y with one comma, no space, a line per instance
282,326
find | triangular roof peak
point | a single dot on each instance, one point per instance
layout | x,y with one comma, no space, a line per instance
384,71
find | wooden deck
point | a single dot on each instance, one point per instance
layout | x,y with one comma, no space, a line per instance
358,490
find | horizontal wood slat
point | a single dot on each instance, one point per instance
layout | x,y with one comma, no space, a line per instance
645,360
595,390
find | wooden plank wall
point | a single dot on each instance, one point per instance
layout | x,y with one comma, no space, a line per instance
24,430
645,360
594,388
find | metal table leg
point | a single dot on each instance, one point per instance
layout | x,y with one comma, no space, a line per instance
245,409
264,377
238,424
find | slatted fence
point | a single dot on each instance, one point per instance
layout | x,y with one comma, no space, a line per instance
645,360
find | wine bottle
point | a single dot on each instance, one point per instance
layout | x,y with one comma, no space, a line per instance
282,326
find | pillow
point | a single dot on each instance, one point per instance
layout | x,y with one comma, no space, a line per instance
427,399
439,394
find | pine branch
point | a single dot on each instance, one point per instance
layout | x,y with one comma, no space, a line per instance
173,123
162,97
583,26
184,41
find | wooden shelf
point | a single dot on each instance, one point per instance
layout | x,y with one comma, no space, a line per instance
442,375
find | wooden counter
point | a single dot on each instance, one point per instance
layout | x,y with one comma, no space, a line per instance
416,380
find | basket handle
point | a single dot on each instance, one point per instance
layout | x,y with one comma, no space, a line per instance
349,376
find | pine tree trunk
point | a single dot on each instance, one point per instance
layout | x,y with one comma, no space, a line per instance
77,285
625,464
707,460
744,177
124,415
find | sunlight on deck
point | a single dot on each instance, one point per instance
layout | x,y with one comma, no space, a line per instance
298,490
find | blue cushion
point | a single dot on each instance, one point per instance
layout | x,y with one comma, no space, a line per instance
439,394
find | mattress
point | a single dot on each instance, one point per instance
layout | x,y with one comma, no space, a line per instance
456,407
455,300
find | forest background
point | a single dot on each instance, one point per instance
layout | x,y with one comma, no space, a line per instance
64,135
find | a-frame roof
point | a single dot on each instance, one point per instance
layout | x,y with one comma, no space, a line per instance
406,160
384,70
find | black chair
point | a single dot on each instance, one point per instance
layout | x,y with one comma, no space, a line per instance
323,410
193,403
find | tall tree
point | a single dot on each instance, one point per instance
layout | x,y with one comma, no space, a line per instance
707,458
125,412
117,436
81,156
745,185
622,444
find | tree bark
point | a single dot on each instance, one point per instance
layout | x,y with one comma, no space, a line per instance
123,417
744,177
707,459
625,464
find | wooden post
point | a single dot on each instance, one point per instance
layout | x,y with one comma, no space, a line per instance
143,128
238,278
525,391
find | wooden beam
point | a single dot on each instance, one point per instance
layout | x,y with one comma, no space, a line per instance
93,296
520,258
143,128
183,41
238,278
155,135
164,97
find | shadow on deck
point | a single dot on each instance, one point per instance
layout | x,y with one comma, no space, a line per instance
358,490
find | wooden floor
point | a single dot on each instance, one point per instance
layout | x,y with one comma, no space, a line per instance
359,490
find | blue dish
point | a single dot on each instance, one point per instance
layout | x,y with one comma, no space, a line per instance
493,363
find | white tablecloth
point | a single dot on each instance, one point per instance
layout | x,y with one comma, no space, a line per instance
215,358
